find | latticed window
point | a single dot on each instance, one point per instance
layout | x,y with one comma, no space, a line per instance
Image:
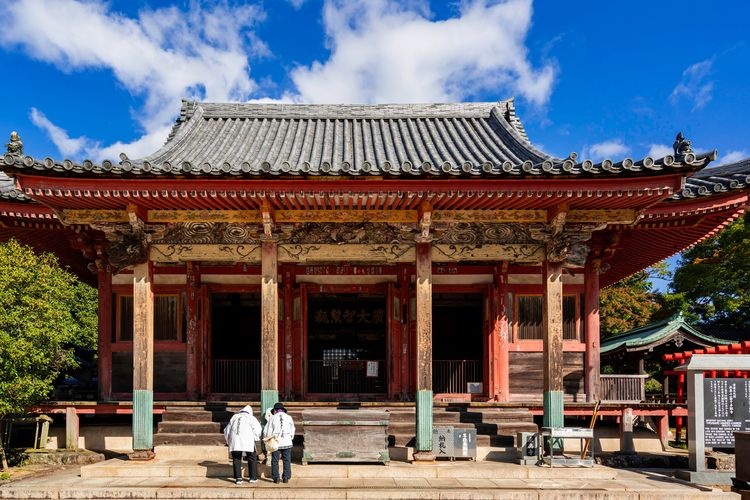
529,314
166,318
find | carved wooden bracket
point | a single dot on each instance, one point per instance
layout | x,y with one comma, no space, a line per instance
268,220
425,223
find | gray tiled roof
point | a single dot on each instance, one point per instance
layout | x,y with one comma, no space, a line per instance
8,189
392,140
715,180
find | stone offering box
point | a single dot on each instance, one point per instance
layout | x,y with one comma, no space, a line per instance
345,436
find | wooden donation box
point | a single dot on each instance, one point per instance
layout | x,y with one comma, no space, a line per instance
345,436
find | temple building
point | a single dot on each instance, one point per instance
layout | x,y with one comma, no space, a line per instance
366,252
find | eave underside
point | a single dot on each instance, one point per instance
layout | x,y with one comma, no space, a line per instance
653,240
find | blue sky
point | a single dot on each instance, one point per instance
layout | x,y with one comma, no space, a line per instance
91,79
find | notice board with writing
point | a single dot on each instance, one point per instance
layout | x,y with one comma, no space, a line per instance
726,409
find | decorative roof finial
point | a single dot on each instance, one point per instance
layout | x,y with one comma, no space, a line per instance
15,146
681,145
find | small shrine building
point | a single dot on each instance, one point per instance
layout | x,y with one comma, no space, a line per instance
367,252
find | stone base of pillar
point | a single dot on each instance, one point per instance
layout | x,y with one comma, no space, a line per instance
141,456
268,398
422,457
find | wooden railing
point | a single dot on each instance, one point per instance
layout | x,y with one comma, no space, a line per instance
240,376
630,388
451,376
350,376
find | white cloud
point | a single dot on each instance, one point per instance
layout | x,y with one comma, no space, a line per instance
732,156
694,85
162,55
67,145
297,3
612,150
659,150
386,51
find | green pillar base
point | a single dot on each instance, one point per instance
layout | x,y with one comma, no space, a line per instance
554,415
268,398
424,421
143,420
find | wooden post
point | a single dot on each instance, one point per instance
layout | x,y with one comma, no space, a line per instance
552,327
591,377
500,337
288,339
662,430
192,354
72,429
403,288
626,431
269,329
143,358
394,341
423,450
105,335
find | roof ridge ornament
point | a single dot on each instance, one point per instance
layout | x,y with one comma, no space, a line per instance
15,146
681,145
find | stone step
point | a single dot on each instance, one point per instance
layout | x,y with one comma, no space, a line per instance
196,416
184,426
494,416
199,454
505,428
173,438
222,468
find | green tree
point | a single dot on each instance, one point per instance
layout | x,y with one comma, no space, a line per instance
711,280
44,313
629,303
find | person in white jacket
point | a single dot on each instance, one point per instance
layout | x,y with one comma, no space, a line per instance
281,425
241,433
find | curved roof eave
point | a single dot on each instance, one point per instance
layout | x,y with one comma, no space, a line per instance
420,141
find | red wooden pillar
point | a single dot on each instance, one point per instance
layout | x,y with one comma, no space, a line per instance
591,377
394,341
288,304
499,357
105,334
404,365
662,430
192,342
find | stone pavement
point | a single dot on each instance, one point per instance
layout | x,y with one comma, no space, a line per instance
120,479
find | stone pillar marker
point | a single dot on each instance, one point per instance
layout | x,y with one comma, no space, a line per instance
269,330
423,449
143,358
592,383
552,328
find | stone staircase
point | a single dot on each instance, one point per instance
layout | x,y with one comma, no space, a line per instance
195,432
192,432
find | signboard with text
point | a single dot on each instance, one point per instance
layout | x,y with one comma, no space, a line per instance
726,410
